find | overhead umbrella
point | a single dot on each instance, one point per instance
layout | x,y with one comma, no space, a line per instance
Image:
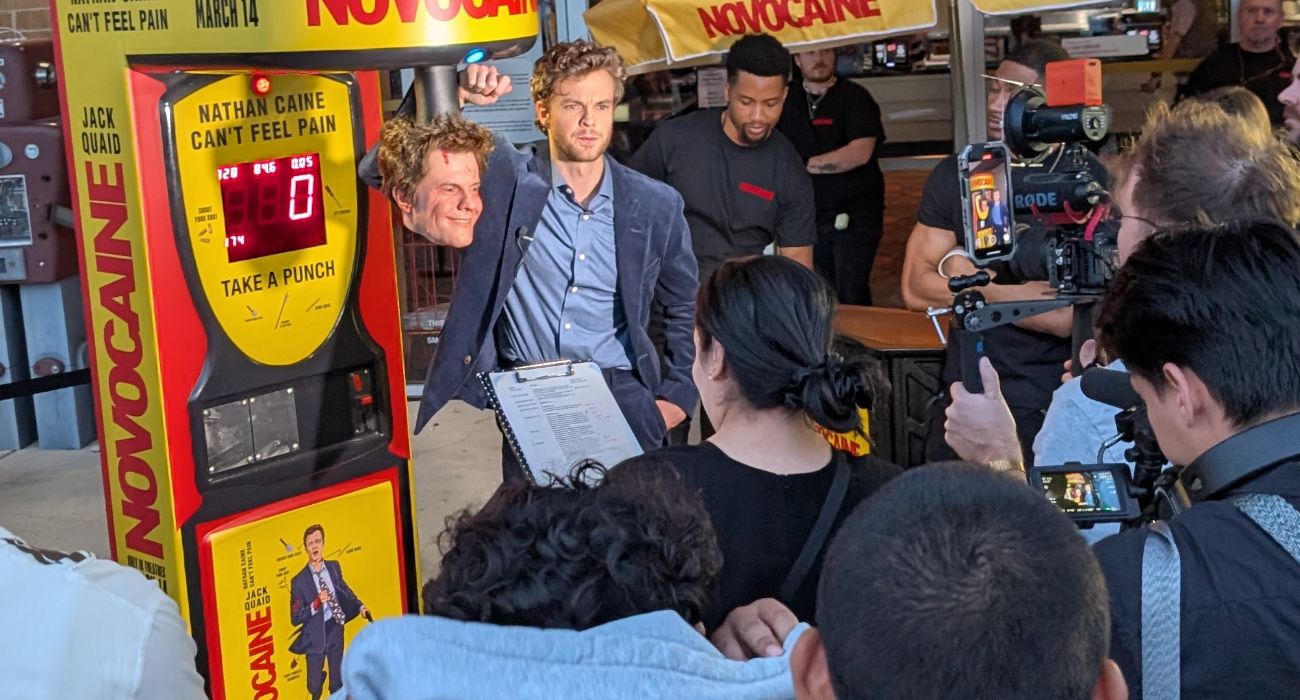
657,34
1019,7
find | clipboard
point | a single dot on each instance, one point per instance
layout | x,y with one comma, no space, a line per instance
555,415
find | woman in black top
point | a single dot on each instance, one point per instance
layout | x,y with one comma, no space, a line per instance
766,375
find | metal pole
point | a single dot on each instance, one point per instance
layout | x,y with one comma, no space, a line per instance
436,92
969,124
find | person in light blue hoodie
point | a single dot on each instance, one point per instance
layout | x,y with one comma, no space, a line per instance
573,591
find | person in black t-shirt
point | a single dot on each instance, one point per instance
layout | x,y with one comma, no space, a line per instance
1259,62
835,126
766,375
1027,355
744,185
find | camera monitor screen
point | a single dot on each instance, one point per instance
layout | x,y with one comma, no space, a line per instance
1093,493
986,192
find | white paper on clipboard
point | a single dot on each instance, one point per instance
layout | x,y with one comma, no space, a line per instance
560,414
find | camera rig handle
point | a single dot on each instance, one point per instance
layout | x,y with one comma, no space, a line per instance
973,314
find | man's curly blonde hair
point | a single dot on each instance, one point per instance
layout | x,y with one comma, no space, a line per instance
574,59
404,148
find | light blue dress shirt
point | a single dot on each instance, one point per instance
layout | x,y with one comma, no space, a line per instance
565,303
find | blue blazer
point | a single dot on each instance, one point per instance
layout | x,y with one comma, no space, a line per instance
312,634
652,255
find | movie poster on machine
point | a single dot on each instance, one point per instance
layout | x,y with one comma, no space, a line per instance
294,588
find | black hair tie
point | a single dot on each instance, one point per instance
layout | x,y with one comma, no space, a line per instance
794,391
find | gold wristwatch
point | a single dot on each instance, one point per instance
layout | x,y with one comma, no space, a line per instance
1007,465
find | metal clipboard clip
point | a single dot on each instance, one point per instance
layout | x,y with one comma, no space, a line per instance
558,368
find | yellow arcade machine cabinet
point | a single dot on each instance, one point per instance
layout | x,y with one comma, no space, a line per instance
241,299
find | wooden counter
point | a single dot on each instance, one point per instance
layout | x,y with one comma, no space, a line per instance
887,329
909,351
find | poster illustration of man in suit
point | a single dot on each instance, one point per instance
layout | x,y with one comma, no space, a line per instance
321,605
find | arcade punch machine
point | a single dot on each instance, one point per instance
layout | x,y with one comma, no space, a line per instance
242,302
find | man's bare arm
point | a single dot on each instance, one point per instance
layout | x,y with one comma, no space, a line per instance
801,254
853,154
924,287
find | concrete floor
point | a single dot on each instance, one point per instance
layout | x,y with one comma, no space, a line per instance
55,499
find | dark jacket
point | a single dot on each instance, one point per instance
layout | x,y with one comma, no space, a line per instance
653,257
313,636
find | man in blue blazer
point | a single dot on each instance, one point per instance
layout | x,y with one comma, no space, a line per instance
321,603
568,255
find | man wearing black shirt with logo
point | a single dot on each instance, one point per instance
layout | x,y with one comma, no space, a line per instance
1259,62
744,185
1027,355
835,126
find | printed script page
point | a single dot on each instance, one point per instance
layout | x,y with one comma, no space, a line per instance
560,419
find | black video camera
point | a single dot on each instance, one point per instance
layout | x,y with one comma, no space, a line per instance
1063,233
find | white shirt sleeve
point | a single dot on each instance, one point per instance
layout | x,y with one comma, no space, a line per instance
167,659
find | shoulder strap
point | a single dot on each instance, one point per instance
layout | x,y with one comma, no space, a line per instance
821,529
1161,615
1276,517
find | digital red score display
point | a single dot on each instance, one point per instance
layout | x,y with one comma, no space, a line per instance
272,206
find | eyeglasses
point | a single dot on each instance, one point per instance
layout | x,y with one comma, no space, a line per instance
1138,219
993,84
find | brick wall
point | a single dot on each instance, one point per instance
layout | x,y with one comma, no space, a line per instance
31,17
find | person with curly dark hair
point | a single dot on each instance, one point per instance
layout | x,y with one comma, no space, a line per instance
576,555
433,171
586,588
766,374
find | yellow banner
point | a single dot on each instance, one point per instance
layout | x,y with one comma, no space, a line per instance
655,34
1016,7
357,30
293,589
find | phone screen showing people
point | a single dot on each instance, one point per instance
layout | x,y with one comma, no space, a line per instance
986,192
1093,493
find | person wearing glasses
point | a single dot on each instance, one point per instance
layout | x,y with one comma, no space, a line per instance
1196,163
1027,355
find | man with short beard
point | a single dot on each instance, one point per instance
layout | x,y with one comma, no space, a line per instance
1260,61
569,253
744,184
836,128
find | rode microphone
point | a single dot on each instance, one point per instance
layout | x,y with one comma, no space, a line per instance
1109,386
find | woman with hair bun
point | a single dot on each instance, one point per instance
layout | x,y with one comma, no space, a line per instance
766,375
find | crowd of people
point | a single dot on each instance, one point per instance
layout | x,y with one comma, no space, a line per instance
762,562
